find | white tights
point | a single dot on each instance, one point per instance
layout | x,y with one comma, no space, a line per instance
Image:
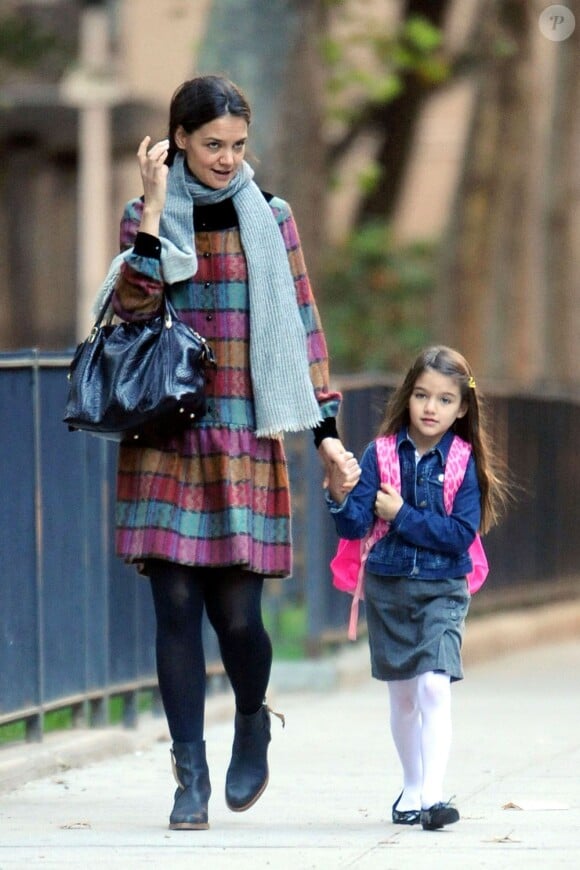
421,729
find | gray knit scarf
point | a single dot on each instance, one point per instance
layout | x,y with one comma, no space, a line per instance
283,392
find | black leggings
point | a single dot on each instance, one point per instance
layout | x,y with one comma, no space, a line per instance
232,599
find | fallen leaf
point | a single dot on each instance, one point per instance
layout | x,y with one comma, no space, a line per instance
507,838
535,805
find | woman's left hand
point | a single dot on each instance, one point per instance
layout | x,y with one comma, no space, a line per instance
333,453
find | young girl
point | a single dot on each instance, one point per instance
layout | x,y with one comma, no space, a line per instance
415,583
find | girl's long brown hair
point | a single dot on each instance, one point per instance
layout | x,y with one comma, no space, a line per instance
472,427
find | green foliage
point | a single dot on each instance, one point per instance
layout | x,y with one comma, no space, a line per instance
287,628
375,300
25,45
415,48
12,732
63,719
423,36
21,42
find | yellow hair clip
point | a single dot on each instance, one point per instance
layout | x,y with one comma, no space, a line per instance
471,382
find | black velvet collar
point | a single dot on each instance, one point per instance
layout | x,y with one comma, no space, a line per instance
221,216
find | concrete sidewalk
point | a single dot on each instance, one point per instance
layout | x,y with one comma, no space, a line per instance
334,774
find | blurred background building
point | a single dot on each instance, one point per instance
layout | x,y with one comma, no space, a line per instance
429,149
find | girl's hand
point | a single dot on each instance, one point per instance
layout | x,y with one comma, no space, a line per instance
342,476
153,174
388,502
342,471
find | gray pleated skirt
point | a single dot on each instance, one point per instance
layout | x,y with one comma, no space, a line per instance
415,626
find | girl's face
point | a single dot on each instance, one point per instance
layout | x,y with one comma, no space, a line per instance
214,151
434,406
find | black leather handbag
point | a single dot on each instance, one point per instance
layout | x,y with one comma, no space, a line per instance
130,378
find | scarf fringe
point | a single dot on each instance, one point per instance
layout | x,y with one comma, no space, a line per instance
278,434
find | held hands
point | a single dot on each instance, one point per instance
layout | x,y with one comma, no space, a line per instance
388,502
153,174
342,471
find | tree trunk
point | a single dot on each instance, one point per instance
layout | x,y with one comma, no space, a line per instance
491,289
563,215
396,123
282,77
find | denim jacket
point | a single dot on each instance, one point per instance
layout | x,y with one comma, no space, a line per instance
423,541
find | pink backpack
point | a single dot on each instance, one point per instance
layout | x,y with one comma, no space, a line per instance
348,565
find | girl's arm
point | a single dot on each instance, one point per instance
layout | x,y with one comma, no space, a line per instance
452,533
354,516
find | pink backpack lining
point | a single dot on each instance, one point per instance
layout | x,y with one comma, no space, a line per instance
348,565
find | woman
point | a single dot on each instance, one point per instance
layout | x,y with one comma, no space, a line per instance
205,512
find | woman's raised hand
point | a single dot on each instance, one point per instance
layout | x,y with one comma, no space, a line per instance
153,172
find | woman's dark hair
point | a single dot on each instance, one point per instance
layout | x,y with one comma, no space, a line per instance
472,427
201,100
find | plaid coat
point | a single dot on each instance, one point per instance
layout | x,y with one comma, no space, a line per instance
215,494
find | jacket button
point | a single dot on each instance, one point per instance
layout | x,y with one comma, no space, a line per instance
422,504
209,317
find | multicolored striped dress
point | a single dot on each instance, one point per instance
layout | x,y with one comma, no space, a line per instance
215,494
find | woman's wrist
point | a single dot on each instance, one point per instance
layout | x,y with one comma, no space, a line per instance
325,429
150,220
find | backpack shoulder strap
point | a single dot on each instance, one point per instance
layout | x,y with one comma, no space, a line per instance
389,472
388,460
455,468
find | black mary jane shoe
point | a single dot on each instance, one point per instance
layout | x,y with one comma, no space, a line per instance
438,816
405,817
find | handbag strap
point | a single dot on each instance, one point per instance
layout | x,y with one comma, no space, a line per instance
169,311
169,314
106,302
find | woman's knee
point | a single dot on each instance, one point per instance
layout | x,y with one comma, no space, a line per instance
176,598
239,632
234,605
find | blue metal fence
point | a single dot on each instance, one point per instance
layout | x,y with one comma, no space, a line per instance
71,632
77,625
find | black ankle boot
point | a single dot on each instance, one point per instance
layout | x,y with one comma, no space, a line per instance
193,787
247,775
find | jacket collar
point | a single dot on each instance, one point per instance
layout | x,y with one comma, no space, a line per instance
442,447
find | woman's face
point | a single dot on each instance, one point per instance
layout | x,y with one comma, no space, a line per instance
214,151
